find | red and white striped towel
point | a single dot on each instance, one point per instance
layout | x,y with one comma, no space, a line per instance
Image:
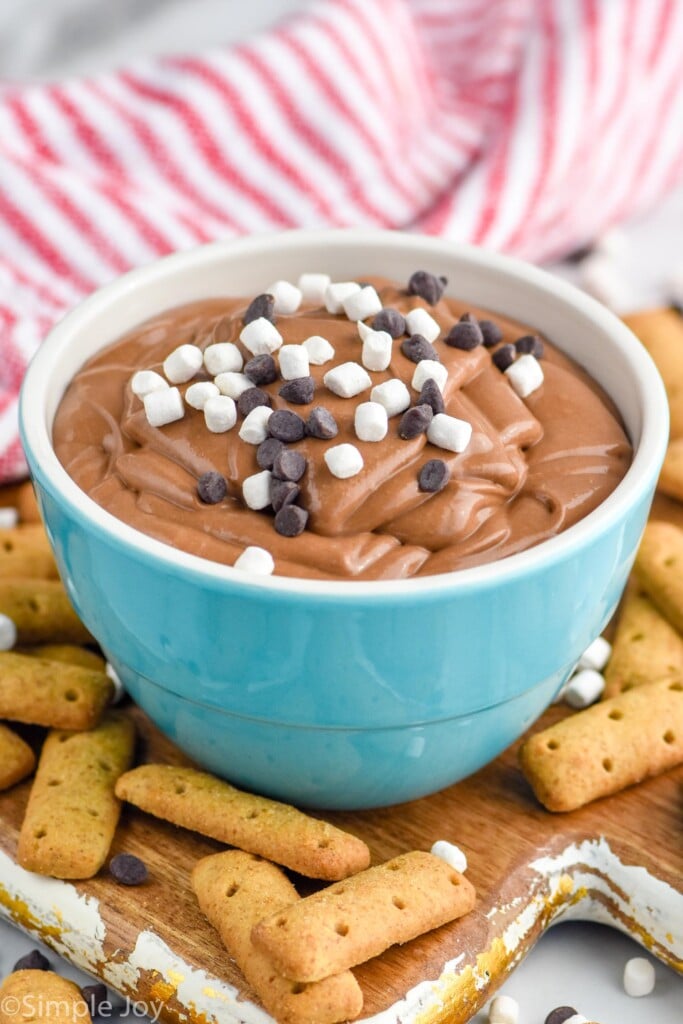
524,125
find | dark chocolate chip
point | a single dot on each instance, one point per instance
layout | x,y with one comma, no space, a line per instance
33,961
434,476
416,348
261,306
283,492
286,426
261,370
251,399
127,869
267,450
289,465
504,356
97,998
560,1014
530,344
299,391
491,333
391,321
466,335
427,286
415,421
431,395
212,488
321,423
291,520
468,318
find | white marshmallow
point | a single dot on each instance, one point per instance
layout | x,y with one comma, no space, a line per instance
577,1018
347,380
639,977
377,350
600,278
197,395
451,853
449,432
362,304
343,460
525,375
119,690
183,363
335,294
220,414
255,560
8,633
261,337
596,654
419,321
162,407
233,384
223,357
503,1010
254,429
313,287
584,688
294,362
144,382
393,395
256,490
287,297
370,421
612,244
429,369
319,350
9,517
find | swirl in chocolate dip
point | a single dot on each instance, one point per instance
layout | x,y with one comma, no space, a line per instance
532,467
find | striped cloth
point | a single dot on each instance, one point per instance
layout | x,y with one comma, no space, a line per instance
524,125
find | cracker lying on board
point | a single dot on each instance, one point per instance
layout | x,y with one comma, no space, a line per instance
42,613
69,654
49,693
659,568
646,647
661,332
671,476
17,760
41,997
25,552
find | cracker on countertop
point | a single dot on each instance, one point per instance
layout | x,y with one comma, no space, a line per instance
646,646
42,612
50,693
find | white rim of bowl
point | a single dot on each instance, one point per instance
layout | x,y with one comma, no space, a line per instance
650,448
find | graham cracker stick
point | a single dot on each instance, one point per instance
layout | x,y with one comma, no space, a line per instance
41,692
659,567
17,760
41,612
41,997
25,552
646,647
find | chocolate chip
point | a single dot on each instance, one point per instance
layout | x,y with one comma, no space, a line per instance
283,492
391,321
212,488
127,869
530,344
261,306
321,423
427,286
289,465
434,476
97,998
299,391
491,333
560,1014
415,421
431,396
504,356
291,520
251,399
465,335
285,425
267,450
261,370
416,348
33,961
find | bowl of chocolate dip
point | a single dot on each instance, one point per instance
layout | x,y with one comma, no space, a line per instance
343,508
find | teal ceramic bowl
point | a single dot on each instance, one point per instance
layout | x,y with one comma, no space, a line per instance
342,694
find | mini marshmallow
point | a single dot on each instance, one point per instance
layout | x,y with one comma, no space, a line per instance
584,688
419,321
347,380
256,490
335,294
220,414
393,395
254,429
525,375
370,421
449,432
261,337
8,633
183,363
596,654
233,384
287,297
293,362
255,560
362,304
319,350
639,977
429,369
162,407
223,357
377,350
119,690
577,1018
144,382
503,1010
451,853
343,460
600,278
612,244
9,517
197,395
313,287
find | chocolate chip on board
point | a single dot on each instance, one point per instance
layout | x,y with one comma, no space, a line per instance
97,998
431,395
428,286
261,369
434,476
416,348
491,332
283,492
289,465
33,961
212,487
504,356
321,423
287,426
251,399
262,306
299,391
560,1014
291,520
415,421
530,344
465,335
127,869
267,450
391,321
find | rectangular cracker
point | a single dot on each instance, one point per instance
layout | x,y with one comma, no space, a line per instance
17,760
25,552
69,654
659,568
202,803
357,919
671,476
41,997
235,891
607,747
42,613
60,696
646,647
72,811
661,332
21,497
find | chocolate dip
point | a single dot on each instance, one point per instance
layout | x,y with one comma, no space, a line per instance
532,468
